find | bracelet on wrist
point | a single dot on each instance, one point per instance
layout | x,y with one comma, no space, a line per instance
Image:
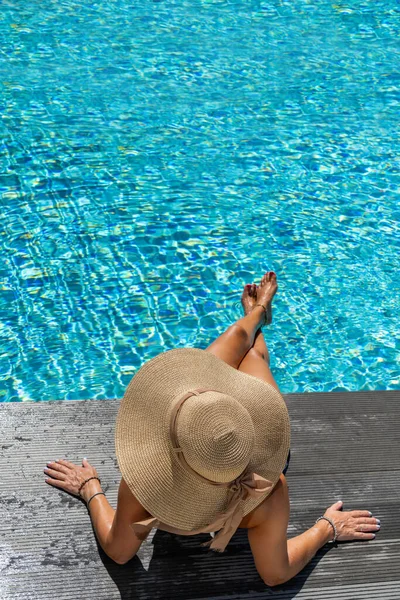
333,526
84,482
91,498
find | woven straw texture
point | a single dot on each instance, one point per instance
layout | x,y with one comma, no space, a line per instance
216,435
142,439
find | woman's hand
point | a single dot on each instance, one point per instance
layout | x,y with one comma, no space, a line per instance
69,477
352,525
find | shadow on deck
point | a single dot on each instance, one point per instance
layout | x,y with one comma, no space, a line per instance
344,446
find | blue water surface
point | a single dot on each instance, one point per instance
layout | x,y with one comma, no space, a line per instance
156,156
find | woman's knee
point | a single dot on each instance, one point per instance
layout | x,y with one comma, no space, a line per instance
254,364
257,354
238,336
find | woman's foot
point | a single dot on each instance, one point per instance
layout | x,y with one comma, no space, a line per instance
249,297
265,292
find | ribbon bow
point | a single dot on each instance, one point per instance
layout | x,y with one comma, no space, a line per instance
248,484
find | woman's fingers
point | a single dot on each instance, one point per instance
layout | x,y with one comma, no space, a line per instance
57,483
66,463
54,474
367,527
353,525
367,521
366,524
364,536
57,467
360,513
337,505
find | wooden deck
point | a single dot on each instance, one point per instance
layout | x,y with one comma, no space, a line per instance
344,446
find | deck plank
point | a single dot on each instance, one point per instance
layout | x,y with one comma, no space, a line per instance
344,446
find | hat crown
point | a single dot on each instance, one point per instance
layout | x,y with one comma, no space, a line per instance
216,435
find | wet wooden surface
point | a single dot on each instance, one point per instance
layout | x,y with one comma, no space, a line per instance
344,446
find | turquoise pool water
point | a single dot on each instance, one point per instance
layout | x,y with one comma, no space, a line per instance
157,156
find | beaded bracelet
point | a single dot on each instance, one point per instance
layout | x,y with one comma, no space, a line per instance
333,525
86,480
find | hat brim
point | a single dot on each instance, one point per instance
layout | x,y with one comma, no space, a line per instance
143,448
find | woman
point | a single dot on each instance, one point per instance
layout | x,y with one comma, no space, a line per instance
202,442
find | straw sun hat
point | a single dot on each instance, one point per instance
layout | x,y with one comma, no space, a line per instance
199,443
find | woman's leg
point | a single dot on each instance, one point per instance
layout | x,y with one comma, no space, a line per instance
234,345
256,361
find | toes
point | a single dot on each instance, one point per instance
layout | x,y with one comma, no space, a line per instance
247,289
268,277
250,289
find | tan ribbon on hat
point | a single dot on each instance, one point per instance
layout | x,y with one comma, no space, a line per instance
247,484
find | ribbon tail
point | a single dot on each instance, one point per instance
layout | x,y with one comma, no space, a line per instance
207,544
219,549
223,537
254,486
218,543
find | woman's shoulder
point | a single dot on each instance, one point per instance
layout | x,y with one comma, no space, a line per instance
270,505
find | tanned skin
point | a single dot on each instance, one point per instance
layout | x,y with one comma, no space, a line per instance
277,559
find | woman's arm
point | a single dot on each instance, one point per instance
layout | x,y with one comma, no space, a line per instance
278,559
112,527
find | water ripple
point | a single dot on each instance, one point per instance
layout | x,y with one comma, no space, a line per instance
156,158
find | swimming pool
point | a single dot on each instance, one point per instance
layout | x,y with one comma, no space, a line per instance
157,156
